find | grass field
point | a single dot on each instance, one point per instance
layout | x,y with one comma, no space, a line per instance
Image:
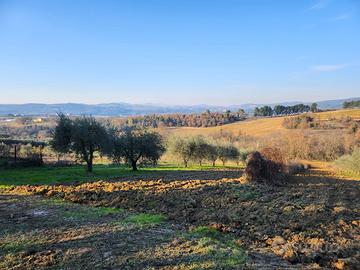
353,113
77,174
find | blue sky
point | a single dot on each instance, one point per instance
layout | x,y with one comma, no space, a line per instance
179,52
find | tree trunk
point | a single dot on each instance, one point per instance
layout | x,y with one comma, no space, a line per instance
133,165
213,163
89,166
185,163
15,153
41,156
89,161
200,163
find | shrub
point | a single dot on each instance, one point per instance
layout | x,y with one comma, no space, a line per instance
273,153
326,146
301,121
260,170
353,128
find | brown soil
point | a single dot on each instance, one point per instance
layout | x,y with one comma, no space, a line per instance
311,222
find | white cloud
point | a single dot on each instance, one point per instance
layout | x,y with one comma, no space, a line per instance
319,5
313,70
343,16
328,68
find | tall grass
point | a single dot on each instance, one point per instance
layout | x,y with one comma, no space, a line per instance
350,163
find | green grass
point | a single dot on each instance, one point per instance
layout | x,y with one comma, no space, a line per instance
350,164
146,219
58,175
19,242
204,231
246,195
224,251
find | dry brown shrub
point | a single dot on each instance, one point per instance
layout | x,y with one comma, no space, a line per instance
260,170
300,121
351,142
310,145
273,154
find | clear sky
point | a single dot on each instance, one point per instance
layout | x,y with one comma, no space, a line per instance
179,51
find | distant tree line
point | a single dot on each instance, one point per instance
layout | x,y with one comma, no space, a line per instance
206,119
284,110
351,104
26,131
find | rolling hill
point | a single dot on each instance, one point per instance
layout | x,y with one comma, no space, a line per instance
126,109
257,127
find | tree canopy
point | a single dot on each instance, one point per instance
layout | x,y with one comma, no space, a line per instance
82,136
283,110
351,104
134,144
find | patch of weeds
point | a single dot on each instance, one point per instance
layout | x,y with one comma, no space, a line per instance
218,248
233,260
146,219
91,212
205,231
246,195
17,243
5,187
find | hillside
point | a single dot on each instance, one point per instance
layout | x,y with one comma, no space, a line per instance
126,109
258,127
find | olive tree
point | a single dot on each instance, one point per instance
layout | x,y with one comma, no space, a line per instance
200,149
82,136
184,148
227,152
61,135
211,153
134,144
243,154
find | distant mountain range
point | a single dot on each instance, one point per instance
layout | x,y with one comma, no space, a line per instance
126,109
